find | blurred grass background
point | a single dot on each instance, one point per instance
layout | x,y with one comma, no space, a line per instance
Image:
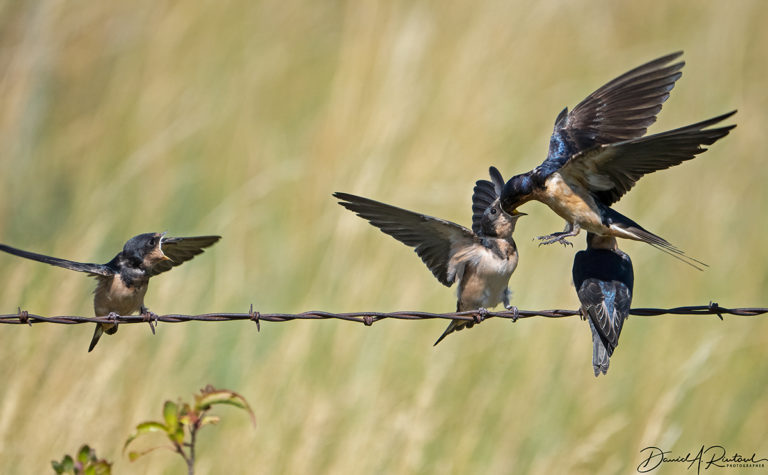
240,118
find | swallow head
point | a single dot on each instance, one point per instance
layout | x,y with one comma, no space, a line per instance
145,249
518,190
498,223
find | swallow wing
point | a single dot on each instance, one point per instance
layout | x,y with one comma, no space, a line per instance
485,193
604,281
622,109
600,300
180,250
435,240
94,270
609,171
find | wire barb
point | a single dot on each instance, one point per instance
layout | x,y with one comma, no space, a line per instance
24,317
714,307
254,316
368,318
149,317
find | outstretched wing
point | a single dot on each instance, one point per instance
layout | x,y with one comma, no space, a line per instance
620,110
93,269
435,240
609,171
485,193
180,250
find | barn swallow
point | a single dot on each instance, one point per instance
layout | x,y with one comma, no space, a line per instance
603,278
481,260
597,152
122,282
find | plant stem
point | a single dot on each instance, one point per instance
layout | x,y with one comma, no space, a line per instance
191,459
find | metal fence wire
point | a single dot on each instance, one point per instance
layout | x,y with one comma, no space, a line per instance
22,317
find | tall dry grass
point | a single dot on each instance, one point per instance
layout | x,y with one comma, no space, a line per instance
241,118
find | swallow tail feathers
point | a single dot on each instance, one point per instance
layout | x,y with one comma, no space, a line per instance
454,326
601,358
623,227
96,335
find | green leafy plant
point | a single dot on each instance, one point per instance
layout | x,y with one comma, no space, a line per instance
181,421
85,463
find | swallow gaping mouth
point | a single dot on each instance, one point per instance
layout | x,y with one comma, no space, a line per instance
163,257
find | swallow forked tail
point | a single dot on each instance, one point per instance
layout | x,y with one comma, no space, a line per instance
455,325
100,330
624,227
664,246
96,335
600,355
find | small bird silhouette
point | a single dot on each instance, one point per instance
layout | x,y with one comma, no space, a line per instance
123,281
481,260
603,277
597,153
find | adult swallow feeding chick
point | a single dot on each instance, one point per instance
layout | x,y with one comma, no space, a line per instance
604,278
481,260
597,153
123,281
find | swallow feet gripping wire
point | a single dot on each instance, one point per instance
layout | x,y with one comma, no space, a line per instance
515,312
113,317
482,314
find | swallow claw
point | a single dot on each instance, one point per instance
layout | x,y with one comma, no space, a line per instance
515,312
113,316
555,237
482,314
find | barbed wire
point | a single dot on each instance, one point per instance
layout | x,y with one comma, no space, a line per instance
22,317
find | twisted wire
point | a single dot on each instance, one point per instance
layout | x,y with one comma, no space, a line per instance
22,317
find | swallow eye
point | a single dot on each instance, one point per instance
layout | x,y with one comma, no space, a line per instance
493,210
152,242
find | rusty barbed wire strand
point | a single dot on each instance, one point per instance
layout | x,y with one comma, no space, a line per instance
22,317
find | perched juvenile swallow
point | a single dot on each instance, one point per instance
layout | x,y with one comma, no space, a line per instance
603,278
597,153
122,282
481,260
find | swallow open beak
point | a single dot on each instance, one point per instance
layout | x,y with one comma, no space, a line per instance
160,247
515,213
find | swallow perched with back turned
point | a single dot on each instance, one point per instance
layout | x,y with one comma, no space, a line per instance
604,278
123,281
481,260
597,152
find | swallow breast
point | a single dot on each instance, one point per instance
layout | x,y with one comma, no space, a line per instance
113,295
